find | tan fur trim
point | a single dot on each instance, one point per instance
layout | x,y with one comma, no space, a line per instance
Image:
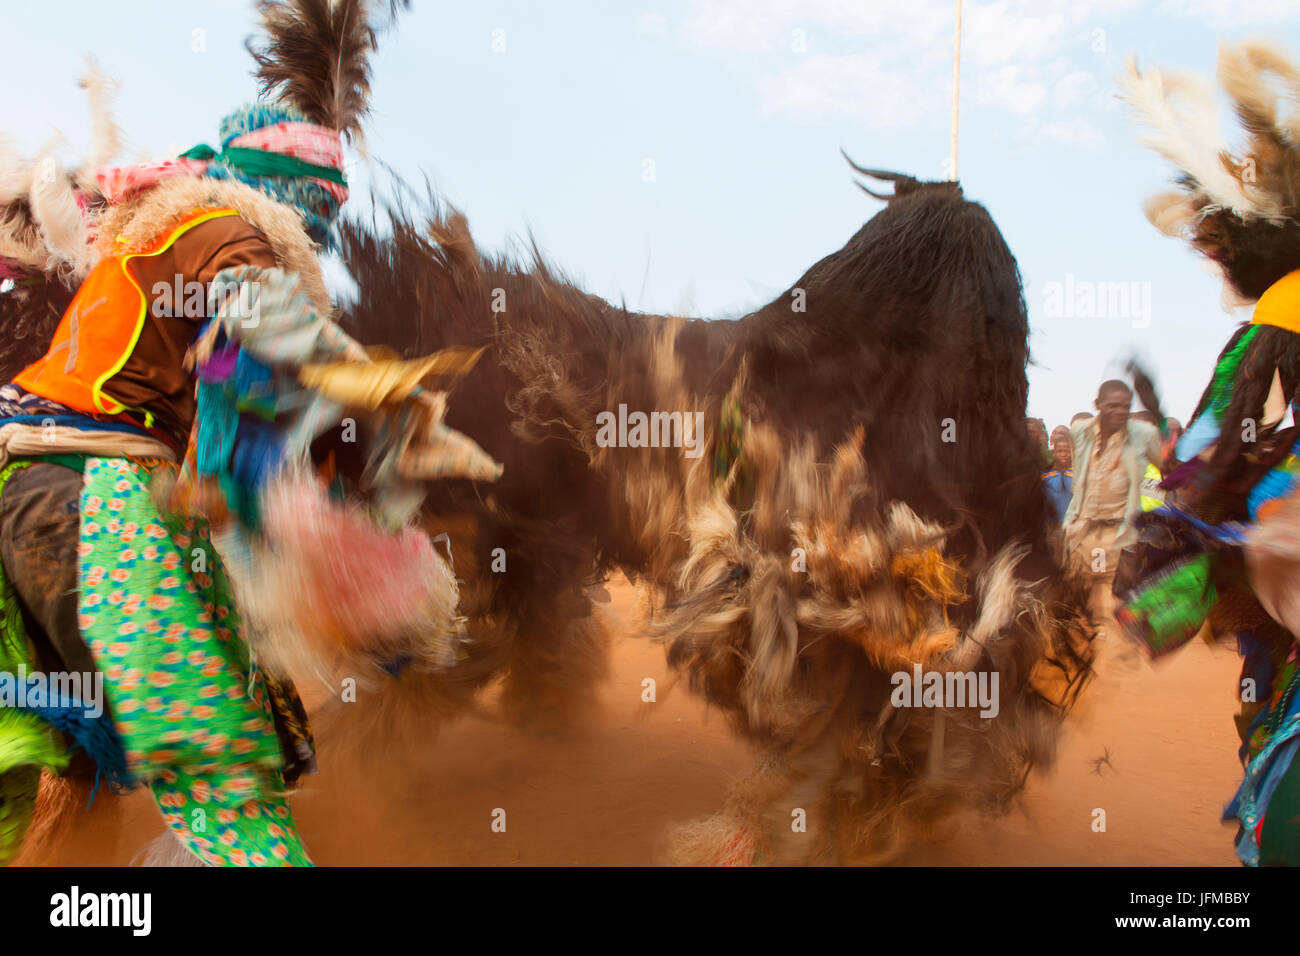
137,221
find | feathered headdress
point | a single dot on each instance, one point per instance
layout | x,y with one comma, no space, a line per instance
313,63
47,219
44,209
1240,207
1260,182
316,57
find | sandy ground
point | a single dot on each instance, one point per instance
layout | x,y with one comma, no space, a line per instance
607,794
1154,747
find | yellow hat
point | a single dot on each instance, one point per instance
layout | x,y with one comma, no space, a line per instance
1280,304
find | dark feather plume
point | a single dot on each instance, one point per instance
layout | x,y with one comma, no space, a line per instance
316,56
1144,387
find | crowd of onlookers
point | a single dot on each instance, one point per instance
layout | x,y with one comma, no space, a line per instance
1101,471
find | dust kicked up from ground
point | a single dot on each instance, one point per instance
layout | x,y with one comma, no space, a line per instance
1153,747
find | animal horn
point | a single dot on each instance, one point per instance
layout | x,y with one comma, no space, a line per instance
874,195
902,183
878,173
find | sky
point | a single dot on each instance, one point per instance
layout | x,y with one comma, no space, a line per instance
684,156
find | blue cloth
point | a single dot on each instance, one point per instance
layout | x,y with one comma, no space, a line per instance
1202,433
258,453
79,422
1060,489
1277,483
1263,774
95,734
18,401
1230,533
21,407
240,442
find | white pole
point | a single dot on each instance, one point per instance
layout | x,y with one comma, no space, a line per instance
956,94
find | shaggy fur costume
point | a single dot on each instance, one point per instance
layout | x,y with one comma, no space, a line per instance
893,514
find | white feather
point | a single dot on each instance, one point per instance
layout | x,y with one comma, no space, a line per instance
106,136
1188,137
59,217
1002,596
15,173
167,851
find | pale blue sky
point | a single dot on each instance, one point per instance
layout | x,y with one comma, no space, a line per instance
742,107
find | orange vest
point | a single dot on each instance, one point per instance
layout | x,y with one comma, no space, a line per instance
100,329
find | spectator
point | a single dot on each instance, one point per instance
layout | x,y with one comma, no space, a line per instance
1059,479
1038,435
1111,453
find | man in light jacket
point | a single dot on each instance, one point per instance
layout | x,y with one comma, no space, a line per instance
1111,455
